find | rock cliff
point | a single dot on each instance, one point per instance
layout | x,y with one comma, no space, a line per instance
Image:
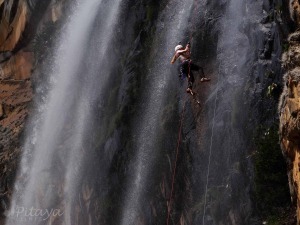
289,109
20,20
23,23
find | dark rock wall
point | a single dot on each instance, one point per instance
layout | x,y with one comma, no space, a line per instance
289,106
25,26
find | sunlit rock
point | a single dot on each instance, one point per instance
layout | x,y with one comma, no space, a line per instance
12,25
289,112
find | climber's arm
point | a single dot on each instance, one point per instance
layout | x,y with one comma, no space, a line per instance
175,57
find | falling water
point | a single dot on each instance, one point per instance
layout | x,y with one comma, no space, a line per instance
147,126
226,197
68,103
55,150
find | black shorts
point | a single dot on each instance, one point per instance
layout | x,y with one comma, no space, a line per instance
185,69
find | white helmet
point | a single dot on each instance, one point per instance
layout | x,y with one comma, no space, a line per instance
178,47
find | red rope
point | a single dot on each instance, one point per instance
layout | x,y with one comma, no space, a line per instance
180,128
195,7
175,165
189,74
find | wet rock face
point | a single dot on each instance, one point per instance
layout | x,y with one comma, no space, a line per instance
15,90
289,109
18,26
18,22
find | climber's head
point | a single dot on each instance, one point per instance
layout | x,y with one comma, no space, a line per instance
178,47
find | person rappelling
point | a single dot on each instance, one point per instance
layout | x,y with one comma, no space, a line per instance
186,66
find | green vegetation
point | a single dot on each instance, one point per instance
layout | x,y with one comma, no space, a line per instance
271,183
286,47
150,12
271,89
278,7
274,220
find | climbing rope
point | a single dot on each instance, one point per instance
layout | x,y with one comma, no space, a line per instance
210,151
189,73
180,131
213,126
175,165
193,16
177,152
169,206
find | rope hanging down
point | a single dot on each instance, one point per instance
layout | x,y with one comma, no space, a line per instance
210,151
175,165
193,28
180,131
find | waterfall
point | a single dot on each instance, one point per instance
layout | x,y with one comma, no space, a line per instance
68,103
226,183
82,163
147,128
